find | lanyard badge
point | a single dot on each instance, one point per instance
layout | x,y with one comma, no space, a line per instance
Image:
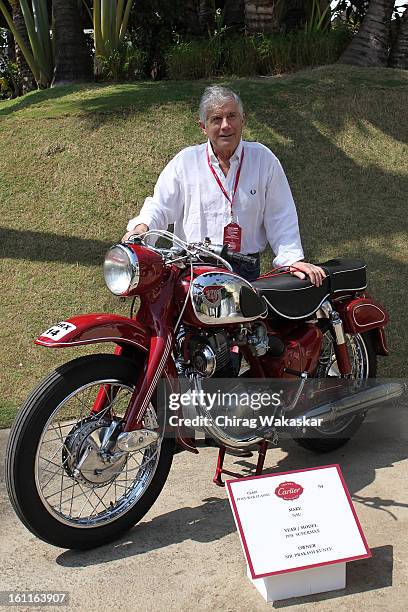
232,231
232,236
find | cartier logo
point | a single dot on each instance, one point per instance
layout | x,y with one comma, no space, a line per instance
289,490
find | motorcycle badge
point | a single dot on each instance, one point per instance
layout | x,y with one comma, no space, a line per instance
289,490
213,295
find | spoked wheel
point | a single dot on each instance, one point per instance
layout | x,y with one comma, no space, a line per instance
329,436
67,483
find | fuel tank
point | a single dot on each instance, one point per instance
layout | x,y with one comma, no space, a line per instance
218,297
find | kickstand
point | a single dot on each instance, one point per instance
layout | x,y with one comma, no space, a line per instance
217,477
263,447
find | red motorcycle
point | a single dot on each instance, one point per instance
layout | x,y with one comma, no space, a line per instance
91,448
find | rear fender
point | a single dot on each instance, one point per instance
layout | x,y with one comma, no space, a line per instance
364,314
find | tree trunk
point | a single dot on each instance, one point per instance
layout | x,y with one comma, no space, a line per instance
189,18
369,47
260,16
293,15
10,49
399,52
234,13
72,59
206,16
27,80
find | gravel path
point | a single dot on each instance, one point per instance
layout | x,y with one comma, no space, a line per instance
186,555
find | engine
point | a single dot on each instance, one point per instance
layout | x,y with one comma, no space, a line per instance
204,356
211,354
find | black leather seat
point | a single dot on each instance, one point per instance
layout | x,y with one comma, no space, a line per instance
293,298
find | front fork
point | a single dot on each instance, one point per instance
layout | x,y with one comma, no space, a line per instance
159,351
105,395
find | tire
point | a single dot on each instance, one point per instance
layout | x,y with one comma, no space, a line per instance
364,365
54,430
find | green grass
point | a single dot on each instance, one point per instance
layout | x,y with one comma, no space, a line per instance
77,162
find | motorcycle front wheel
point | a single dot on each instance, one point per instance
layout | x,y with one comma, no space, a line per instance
63,485
363,358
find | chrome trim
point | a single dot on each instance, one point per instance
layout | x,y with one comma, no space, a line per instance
134,265
227,308
337,326
216,432
357,402
131,441
326,308
210,358
91,341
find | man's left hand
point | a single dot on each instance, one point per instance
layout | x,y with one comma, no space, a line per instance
303,269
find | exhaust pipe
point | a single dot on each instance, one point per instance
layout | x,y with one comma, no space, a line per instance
358,402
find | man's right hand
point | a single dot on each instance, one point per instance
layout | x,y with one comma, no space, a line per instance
139,229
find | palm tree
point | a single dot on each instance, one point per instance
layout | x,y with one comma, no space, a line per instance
72,58
261,15
399,52
294,14
26,77
369,47
234,13
206,9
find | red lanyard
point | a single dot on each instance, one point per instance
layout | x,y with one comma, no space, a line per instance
217,178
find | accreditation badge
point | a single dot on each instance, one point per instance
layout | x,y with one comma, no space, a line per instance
232,236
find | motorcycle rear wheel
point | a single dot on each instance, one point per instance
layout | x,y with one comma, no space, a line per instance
55,499
363,358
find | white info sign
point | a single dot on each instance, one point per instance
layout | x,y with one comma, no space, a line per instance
295,521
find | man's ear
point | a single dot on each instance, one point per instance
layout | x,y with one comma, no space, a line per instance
202,127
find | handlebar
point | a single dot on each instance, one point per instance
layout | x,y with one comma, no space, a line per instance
219,250
234,257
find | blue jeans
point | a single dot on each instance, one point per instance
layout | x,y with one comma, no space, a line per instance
248,271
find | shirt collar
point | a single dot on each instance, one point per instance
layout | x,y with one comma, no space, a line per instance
236,155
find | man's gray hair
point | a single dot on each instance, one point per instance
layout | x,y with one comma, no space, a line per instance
215,96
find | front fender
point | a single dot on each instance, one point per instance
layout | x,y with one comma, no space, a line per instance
93,328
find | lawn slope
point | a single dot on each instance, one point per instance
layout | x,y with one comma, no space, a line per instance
77,162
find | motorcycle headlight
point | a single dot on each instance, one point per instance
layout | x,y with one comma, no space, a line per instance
121,269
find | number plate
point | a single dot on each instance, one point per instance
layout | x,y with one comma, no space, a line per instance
59,330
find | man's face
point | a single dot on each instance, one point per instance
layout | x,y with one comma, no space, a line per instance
224,127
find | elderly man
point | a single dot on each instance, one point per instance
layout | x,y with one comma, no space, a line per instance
231,190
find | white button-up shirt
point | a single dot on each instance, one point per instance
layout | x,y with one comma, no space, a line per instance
188,196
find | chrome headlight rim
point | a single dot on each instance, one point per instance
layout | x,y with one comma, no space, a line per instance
133,264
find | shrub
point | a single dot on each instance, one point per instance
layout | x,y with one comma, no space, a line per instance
196,59
125,63
10,84
258,54
240,56
268,55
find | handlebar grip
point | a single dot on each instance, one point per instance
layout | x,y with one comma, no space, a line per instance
239,258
